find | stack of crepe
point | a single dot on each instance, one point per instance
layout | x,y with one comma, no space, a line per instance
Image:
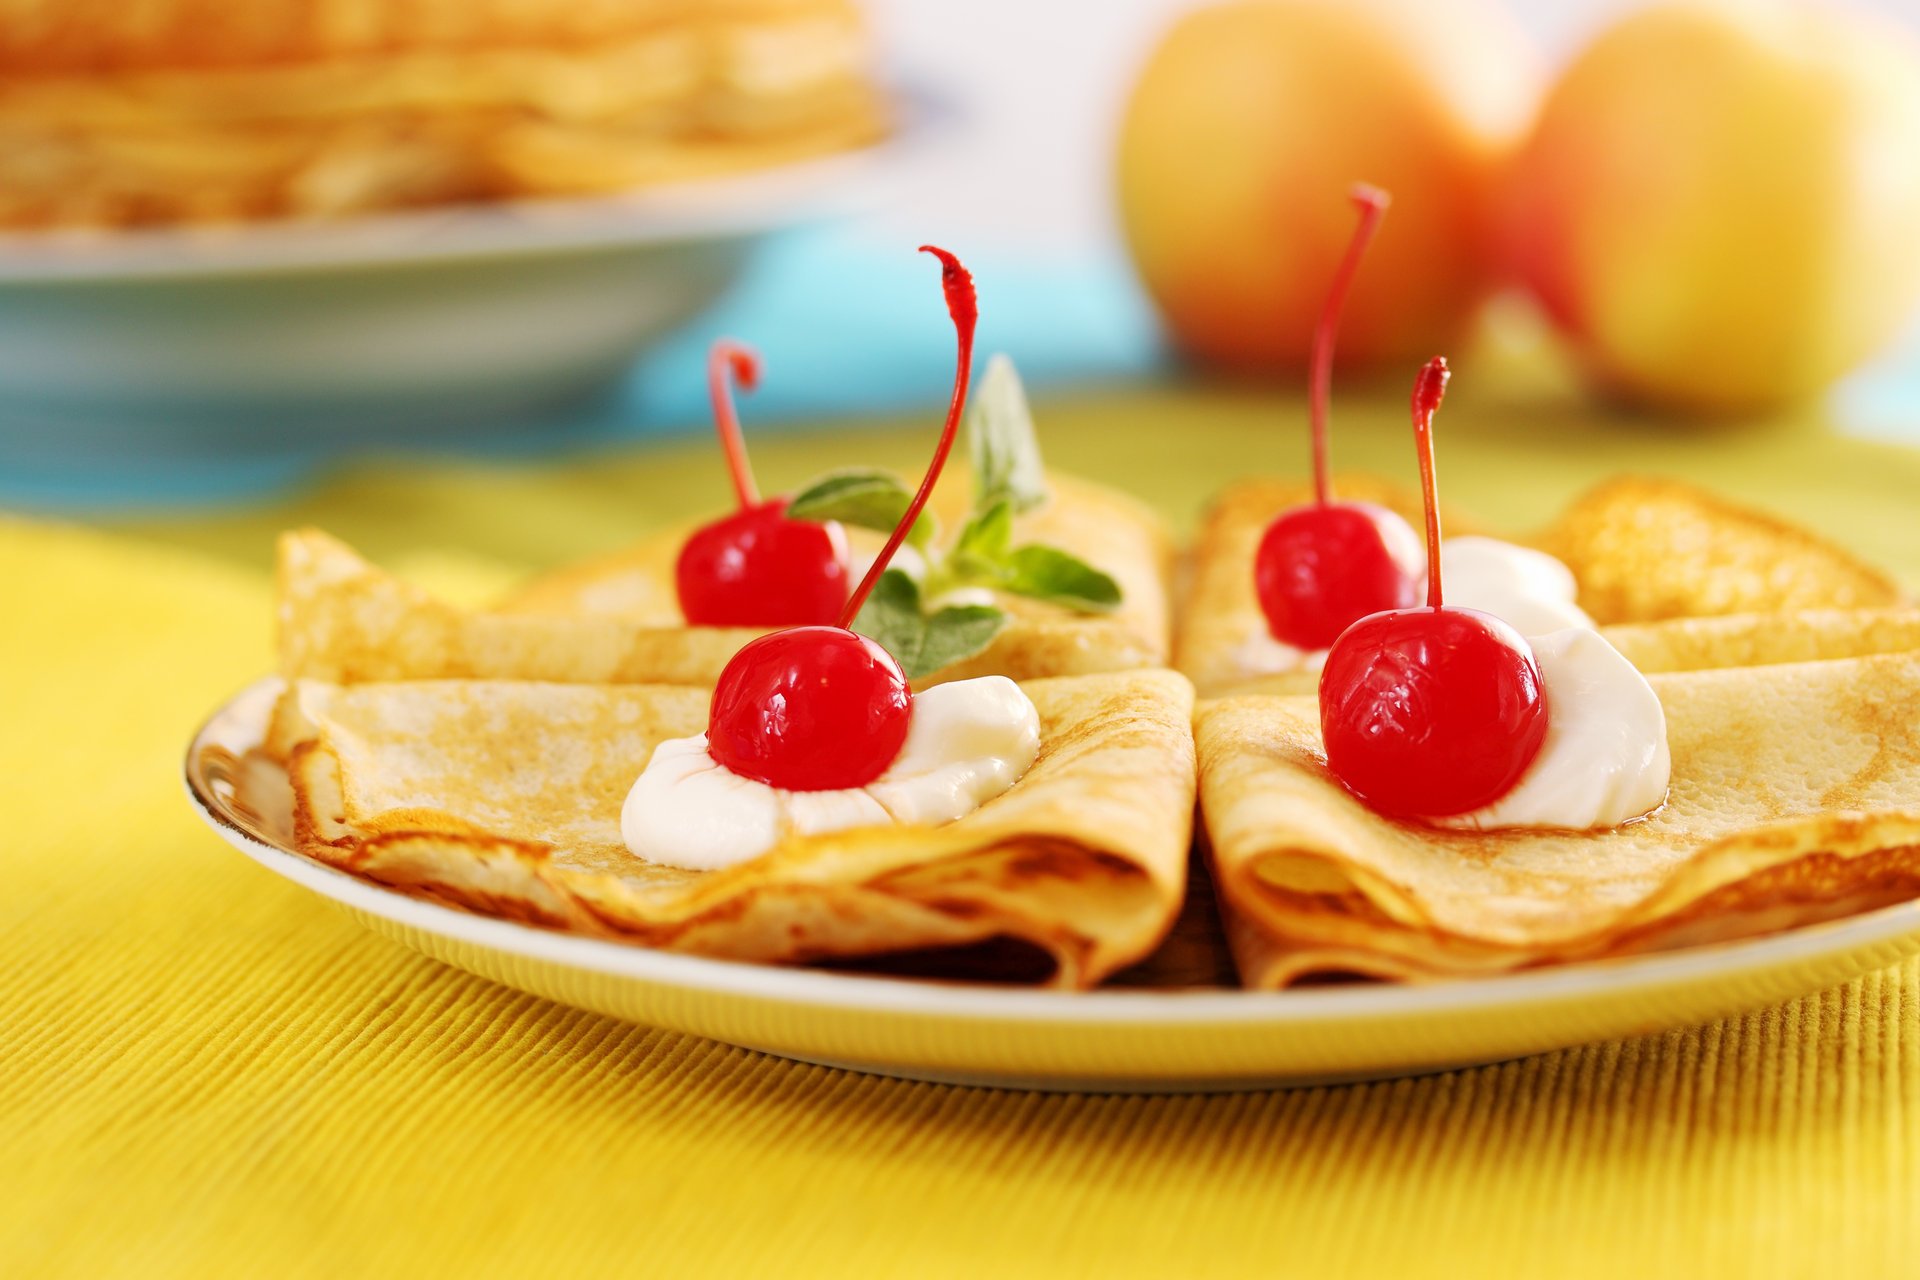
177,111
481,758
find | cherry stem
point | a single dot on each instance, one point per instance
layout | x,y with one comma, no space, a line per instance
957,283
1428,389
731,364
1372,203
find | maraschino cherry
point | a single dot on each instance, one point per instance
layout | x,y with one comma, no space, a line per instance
1322,567
819,708
1435,711
756,568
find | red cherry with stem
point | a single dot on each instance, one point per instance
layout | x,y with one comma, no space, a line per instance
810,709
1321,567
1435,711
756,568
820,708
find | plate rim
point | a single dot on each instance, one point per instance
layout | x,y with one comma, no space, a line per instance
857,993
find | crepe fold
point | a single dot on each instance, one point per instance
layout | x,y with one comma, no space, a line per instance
1795,798
504,797
617,619
1708,644
342,620
1221,609
1642,550
1110,530
1646,549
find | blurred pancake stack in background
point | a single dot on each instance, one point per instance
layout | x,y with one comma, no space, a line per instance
138,112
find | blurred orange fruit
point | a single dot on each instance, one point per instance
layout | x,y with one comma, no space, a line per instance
1720,204
1246,129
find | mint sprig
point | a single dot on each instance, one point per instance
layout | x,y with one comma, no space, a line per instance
1059,577
863,498
923,642
1000,440
984,556
1008,478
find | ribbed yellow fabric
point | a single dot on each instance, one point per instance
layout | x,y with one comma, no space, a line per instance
205,1072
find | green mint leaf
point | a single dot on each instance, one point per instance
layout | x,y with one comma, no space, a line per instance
893,619
956,633
982,546
1048,573
867,499
1006,456
983,555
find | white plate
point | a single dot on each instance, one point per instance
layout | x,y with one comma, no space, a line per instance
387,321
1145,1041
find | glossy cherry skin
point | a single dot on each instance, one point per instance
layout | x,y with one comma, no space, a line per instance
1321,568
1429,712
756,568
810,709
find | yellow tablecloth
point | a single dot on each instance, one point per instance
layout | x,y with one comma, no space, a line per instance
206,1073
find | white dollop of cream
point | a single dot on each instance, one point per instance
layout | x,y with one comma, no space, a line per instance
968,742
1604,760
1528,590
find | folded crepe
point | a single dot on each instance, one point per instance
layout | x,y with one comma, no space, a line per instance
1221,610
1645,549
1642,551
1736,640
340,619
504,797
617,619
1765,639
1110,530
1795,798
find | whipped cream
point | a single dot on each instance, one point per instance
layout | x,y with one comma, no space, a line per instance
968,741
1604,760
1528,590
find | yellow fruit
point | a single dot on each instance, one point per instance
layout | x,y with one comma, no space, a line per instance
1720,205
1244,134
